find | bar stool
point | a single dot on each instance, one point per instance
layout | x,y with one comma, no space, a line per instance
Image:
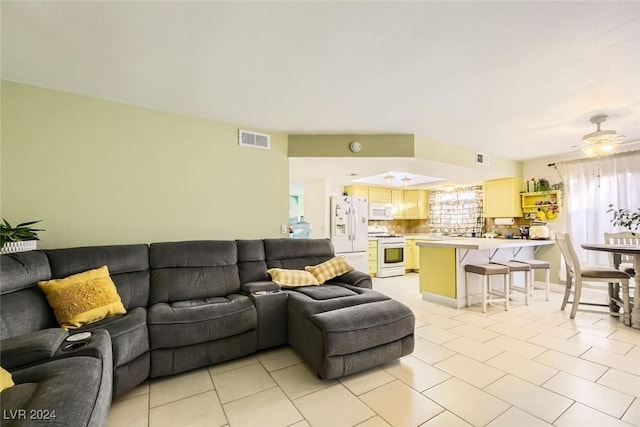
488,270
539,265
519,267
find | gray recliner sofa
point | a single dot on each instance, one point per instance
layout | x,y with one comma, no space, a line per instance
189,305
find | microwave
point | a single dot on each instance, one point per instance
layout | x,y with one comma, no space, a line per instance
380,211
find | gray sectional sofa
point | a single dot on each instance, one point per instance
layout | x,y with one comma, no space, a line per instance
189,305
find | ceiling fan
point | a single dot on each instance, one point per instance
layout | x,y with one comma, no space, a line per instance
600,142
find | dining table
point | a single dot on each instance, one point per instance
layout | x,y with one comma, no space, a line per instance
633,250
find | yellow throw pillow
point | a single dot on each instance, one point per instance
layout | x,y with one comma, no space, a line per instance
6,380
335,267
292,278
83,298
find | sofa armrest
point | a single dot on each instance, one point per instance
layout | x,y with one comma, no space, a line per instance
266,285
354,278
30,348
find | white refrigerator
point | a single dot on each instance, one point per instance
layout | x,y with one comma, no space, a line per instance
348,224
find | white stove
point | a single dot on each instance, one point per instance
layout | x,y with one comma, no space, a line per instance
390,251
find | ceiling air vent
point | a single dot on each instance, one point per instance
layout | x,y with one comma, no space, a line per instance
482,159
254,139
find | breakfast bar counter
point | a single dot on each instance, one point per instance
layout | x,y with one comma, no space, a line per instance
442,262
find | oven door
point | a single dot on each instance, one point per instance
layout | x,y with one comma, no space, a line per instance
392,256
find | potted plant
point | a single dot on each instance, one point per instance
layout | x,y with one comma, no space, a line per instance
625,218
20,238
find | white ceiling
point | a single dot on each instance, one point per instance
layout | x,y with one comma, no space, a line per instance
514,79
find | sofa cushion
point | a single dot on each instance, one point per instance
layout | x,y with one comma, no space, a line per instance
23,350
23,270
128,266
292,278
196,321
327,270
83,298
296,254
193,270
252,264
129,335
356,328
24,312
69,392
309,301
23,307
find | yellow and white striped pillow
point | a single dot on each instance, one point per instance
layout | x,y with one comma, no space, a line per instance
336,266
292,278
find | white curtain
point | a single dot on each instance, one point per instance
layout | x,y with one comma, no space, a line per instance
591,185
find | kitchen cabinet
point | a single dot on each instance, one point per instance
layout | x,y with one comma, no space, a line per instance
397,203
410,204
411,255
379,195
357,191
416,204
501,198
373,257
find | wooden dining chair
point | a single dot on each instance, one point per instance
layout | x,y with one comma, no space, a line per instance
623,262
576,275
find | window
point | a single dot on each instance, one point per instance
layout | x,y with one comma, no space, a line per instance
456,212
591,185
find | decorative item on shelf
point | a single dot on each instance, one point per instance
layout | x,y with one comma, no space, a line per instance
625,218
20,238
552,213
543,185
535,185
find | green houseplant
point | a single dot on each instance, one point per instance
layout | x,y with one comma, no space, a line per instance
20,238
625,218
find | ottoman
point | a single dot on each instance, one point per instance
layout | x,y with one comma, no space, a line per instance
340,329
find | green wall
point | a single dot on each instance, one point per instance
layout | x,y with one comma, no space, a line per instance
431,149
100,172
338,145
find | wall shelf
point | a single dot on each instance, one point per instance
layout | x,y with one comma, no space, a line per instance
541,200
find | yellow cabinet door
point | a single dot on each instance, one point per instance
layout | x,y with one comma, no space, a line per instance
409,255
379,195
397,206
357,191
373,257
501,198
416,204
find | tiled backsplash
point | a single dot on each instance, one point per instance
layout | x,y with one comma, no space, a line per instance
490,225
405,226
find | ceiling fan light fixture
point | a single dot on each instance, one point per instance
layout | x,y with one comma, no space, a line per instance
600,142
388,178
599,148
599,136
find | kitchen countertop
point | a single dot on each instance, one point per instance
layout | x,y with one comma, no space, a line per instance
479,243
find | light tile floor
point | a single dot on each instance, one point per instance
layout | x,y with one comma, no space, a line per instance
530,366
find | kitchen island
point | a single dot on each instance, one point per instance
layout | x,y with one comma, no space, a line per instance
442,262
